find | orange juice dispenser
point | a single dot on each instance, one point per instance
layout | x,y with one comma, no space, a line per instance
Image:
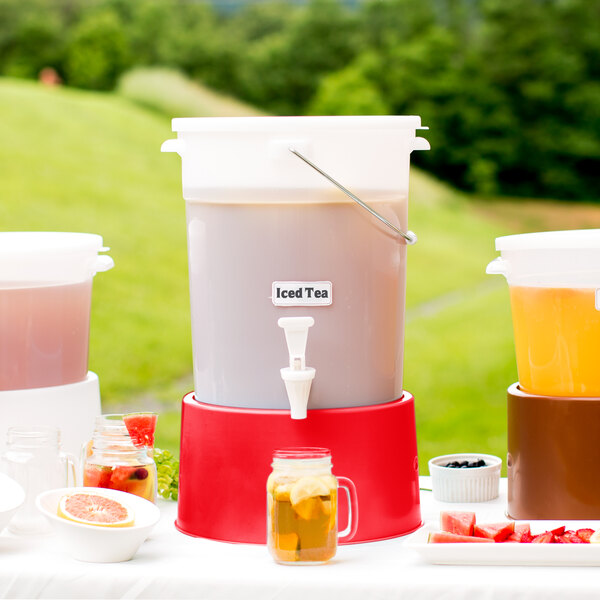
297,244
45,301
554,410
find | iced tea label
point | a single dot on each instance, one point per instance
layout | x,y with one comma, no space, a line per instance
302,293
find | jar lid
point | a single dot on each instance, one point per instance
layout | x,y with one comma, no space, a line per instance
33,437
302,453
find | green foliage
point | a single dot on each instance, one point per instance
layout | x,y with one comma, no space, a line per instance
167,467
29,39
347,92
281,71
508,88
258,20
98,51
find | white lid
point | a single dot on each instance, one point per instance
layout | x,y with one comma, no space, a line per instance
225,157
13,242
551,240
305,124
50,256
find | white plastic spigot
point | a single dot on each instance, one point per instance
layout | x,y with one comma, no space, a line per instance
297,377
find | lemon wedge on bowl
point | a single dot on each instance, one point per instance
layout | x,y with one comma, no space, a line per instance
92,508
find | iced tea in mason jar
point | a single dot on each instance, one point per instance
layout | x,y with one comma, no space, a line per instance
302,497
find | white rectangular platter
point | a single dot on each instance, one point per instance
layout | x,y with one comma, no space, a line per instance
507,553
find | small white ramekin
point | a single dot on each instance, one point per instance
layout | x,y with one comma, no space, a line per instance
475,484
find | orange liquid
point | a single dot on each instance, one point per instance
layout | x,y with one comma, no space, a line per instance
557,340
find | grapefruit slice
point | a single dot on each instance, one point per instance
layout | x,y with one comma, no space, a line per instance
141,428
95,509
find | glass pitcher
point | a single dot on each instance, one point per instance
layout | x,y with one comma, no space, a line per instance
33,458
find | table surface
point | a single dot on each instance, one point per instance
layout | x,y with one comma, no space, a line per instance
172,565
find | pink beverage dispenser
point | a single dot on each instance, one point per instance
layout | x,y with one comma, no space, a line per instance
297,241
45,301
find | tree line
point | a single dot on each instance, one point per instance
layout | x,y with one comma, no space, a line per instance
509,88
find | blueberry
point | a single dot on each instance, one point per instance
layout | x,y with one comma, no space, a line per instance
465,464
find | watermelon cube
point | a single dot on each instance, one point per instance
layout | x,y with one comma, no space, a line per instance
585,534
522,533
495,531
461,523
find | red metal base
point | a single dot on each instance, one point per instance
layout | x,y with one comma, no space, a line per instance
226,458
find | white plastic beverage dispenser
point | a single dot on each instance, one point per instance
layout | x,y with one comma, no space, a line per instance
270,237
297,242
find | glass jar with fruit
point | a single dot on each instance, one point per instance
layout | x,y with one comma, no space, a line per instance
302,507
113,461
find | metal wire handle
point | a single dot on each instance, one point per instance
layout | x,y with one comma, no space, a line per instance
409,236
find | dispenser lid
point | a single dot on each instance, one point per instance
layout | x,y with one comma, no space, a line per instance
550,240
285,124
50,257
224,156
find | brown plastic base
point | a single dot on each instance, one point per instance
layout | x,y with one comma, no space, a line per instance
553,456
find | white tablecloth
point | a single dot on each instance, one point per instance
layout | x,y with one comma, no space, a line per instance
172,565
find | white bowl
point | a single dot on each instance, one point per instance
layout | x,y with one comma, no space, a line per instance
12,495
92,543
474,484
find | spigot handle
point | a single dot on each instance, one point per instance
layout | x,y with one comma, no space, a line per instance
296,334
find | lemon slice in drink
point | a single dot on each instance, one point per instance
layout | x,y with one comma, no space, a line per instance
307,487
282,492
95,509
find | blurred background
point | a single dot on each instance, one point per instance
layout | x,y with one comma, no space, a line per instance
510,90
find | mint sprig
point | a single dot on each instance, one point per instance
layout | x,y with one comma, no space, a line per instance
167,467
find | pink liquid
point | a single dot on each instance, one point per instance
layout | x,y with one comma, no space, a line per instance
236,252
44,334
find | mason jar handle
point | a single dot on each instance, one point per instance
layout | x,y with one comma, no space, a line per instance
71,466
348,486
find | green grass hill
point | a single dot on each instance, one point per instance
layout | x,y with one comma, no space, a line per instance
81,161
